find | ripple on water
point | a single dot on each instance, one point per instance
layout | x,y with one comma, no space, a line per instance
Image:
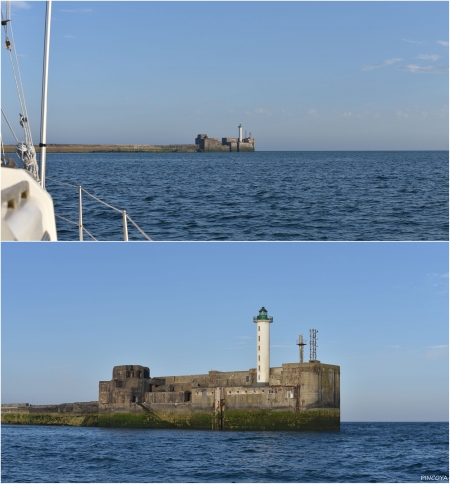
366,452
396,195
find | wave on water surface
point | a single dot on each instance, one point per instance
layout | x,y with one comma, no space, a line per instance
359,452
256,196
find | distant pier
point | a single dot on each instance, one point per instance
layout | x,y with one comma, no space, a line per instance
99,148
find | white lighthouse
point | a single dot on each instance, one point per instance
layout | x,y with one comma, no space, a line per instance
262,346
240,133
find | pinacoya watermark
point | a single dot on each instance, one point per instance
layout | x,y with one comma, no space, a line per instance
434,478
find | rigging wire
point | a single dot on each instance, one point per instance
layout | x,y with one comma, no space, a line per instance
25,150
9,48
10,127
24,109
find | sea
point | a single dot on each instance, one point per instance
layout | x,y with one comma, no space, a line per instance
359,452
273,196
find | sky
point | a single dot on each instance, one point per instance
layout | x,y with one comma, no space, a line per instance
297,75
70,312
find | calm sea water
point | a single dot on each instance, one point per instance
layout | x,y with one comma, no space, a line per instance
359,452
257,196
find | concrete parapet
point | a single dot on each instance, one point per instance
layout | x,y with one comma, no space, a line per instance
213,378
15,405
130,371
77,408
167,397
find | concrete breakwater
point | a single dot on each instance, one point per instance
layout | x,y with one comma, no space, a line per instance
99,148
90,420
294,396
238,420
79,414
297,396
263,420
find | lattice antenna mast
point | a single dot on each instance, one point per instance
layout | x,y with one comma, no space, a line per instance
300,343
313,344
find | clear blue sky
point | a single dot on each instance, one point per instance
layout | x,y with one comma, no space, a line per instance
298,75
70,312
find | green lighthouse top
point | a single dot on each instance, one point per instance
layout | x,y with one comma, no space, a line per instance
262,316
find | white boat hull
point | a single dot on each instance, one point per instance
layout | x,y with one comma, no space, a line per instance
27,209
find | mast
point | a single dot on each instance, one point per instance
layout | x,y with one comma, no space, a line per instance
300,344
43,143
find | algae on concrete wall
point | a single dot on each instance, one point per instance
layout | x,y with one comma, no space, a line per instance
320,419
153,420
50,419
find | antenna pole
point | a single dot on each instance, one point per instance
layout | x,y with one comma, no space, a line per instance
300,344
43,143
312,344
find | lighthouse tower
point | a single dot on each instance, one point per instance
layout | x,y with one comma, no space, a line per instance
240,133
262,346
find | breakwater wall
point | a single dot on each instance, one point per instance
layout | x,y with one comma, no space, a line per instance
97,148
176,416
298,396
238,420
78,414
